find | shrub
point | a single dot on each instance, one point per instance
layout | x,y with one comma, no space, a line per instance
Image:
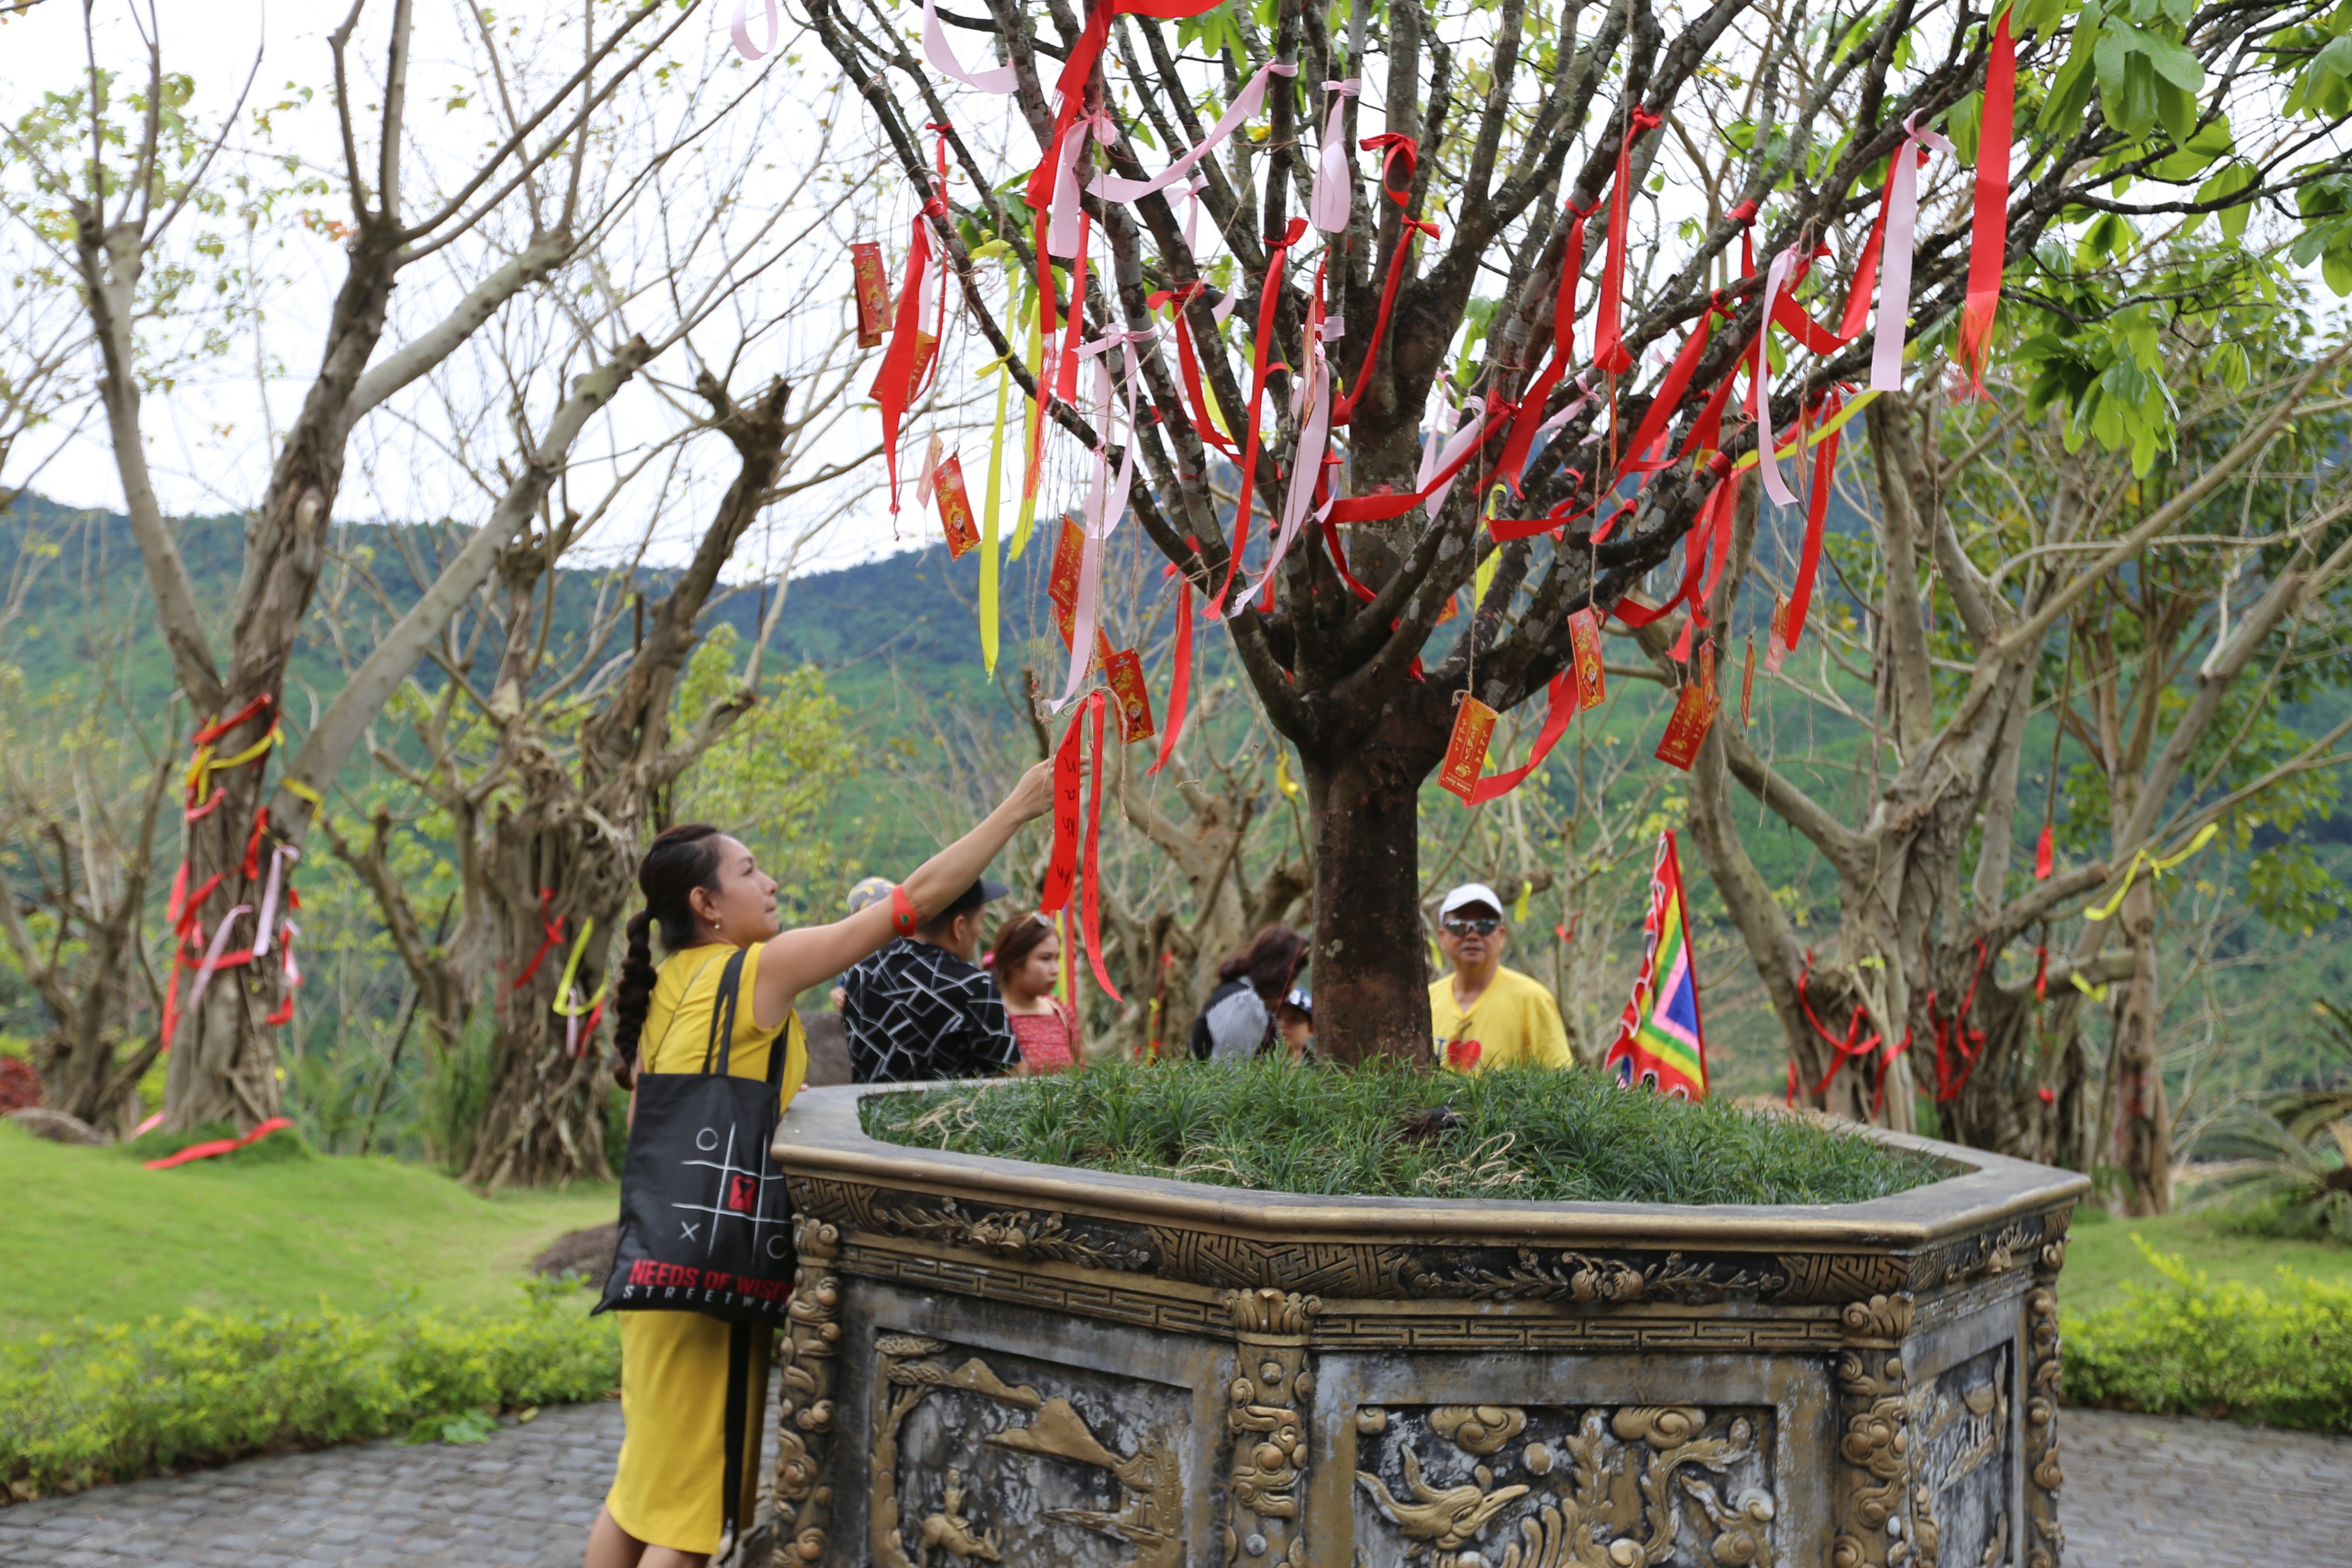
1380,1129
110,1402
2192,1347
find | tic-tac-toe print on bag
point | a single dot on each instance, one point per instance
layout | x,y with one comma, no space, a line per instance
706,1225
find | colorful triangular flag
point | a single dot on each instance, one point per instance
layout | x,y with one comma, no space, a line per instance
1660,1043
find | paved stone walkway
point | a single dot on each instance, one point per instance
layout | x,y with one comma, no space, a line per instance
2142,1491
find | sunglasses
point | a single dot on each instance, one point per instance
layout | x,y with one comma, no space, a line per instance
1473,925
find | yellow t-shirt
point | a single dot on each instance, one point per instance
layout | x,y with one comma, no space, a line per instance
1514,1022
677,1020
669,1485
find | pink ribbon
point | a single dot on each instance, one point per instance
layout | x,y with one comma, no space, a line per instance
1760,388
1106,497
1437,457
1334,191
935,49
1314,441
1894,265
278,860
213,955
741,30
1110,187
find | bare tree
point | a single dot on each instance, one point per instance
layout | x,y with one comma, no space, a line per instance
507,220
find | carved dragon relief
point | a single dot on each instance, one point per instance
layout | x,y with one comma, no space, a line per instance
1150,1517
1603,1488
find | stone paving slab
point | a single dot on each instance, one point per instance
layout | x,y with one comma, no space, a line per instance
524,1498
2142,1491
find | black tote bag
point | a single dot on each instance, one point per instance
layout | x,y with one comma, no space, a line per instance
705,1223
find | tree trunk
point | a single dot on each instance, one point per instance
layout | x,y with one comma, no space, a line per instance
544,1119
1371,963
2141,1145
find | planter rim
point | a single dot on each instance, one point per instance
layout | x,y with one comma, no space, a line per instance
820,1137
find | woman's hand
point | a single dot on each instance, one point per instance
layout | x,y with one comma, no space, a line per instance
1033,797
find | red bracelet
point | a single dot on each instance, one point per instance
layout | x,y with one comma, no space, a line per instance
902,912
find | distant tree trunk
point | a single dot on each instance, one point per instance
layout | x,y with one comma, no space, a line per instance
545,1120
572,837
2141,1140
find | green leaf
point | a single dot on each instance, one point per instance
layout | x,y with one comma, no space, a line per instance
2225,182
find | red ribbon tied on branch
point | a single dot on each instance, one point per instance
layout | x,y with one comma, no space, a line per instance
1074,867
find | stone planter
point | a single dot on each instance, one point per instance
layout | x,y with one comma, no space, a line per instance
999,1361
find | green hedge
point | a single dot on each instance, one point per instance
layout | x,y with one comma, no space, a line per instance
2192,1347
110,1402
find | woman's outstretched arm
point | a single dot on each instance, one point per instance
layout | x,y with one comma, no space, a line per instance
795,960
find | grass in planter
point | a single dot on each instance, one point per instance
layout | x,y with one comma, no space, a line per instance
1275,1126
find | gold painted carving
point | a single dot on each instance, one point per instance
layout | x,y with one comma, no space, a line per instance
1618,1504
950,1529
2047,1541
1480,1429
1151,1518
1880,1318
1264,1427
1269,1312
800,1497
1587,1281
1829,1276
1440,1520
1873,1437
1013,1233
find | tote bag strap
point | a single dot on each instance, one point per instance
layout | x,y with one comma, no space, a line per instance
721,1042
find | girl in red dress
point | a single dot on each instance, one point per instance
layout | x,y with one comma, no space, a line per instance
1026,963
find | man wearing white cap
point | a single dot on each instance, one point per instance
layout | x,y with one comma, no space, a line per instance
1486,1016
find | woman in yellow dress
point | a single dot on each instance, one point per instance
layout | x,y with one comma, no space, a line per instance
702,888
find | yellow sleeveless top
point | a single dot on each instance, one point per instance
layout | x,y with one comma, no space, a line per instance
677,1020
667,1489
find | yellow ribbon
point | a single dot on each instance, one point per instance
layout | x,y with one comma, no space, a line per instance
572,973
203,764
1814,436
988,628
2096,993
1037,411
2154,867
1520,909
1282,779
297,788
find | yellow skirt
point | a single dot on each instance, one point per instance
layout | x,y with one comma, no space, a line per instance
670,1488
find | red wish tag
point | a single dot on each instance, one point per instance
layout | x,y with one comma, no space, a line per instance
1775,644
1747,679
1686,727
1062,585
1591,679
1465,753
927,350
955,508
873,291
1124,671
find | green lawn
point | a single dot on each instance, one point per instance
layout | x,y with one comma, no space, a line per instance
2100,1256
88,1233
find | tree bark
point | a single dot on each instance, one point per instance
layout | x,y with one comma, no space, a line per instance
1370,958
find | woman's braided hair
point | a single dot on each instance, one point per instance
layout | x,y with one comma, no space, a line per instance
681,859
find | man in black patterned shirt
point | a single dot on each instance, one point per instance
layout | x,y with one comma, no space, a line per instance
921,1009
